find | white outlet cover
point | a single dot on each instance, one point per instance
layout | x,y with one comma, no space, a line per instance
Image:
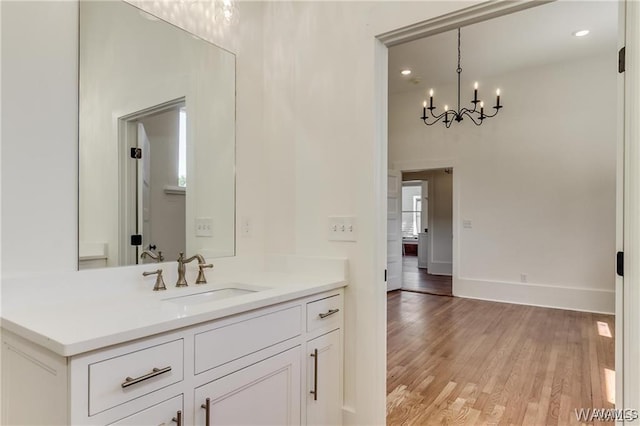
245,227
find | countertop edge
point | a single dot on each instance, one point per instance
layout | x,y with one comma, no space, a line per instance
284,294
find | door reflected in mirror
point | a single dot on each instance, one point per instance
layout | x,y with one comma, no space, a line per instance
157,140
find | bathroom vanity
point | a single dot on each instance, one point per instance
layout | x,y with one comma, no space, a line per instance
265,351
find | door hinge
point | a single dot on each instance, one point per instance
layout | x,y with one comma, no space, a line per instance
136,240
621,60
136,153
620,263
385,275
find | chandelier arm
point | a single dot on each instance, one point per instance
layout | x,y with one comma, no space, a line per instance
424,120
438,117
467,111
473,119
492,115
435,117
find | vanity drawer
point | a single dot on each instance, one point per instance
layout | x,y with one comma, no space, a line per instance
129,376
221,345
324,313
159,414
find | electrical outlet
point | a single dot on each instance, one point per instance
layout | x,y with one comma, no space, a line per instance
245,227
342,228
204,227
523,278
466,224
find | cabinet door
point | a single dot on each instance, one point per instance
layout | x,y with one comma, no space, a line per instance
265,393
324,383
159,414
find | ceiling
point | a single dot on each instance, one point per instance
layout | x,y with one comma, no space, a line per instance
533,37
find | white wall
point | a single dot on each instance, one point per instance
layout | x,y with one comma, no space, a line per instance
537,183
39,136
322,159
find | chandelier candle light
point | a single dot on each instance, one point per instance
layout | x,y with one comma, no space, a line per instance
458,115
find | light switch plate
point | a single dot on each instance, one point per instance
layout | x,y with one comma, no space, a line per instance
204,227
342,228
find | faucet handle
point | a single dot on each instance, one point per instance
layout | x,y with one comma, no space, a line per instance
201,278
158,257
159,281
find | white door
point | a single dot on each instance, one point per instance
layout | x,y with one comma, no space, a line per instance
394,230
324,405
144,192
265,393
628,305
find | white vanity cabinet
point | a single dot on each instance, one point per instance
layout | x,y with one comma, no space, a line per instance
324,362
265,393
324,378
164,413
252,368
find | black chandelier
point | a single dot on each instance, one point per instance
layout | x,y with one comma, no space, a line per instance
451,115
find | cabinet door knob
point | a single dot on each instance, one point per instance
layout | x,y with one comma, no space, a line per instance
178,418
314,392
207,407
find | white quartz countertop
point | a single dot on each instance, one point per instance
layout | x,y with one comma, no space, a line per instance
83,318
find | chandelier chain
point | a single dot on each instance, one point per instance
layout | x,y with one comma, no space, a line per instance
459,70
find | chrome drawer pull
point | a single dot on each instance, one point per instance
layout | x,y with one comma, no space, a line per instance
329,312
155,372
178,418
207,406
314,392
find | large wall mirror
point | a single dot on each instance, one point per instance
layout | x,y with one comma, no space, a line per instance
157,139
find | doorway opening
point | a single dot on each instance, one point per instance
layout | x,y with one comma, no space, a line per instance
427,230
520,206
153,181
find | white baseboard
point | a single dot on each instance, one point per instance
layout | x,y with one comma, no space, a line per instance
559,297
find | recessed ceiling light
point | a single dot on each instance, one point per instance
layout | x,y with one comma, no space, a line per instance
405,72
580,33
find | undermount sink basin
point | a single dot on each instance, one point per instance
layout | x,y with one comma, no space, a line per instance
214,294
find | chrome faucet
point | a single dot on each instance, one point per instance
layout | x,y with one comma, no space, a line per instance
182,281
159,281
157,257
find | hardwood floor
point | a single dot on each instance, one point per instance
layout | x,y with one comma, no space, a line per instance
463,361
418,280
